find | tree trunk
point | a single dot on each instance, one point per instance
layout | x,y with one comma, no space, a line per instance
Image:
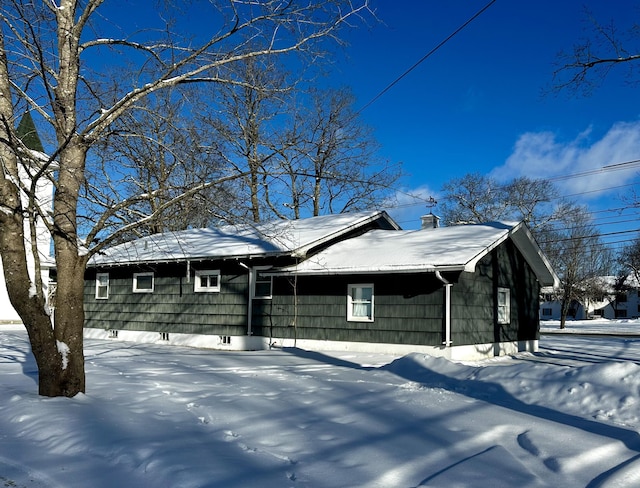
58,350
26,298
564,309
69,323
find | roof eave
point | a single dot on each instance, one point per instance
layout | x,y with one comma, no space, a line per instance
363,270
184,259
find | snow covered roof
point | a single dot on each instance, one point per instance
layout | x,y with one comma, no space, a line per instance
282,237
457,248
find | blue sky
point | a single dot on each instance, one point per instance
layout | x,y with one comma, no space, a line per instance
478,103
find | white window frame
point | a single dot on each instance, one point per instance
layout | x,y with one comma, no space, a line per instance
197,285
503,304
136,289
352,302
102,286
254,285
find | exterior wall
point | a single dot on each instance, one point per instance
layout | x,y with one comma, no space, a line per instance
474,298
408,308
173,306
312,310
625,306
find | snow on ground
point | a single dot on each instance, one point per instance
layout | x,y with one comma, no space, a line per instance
165,416
600,326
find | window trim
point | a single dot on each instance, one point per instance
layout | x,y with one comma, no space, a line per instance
351,302
100,287
503,310
254,285
198,288
143,290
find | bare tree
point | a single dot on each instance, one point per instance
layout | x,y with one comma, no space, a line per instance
474,198
589,63
300,151
246,117
629,260
155,150
338,156
81,74
578,256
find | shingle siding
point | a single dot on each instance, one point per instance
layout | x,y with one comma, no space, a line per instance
408,308
173,306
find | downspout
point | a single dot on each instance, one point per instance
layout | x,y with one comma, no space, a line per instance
447,309
250,304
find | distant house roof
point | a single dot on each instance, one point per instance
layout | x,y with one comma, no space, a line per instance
456,248
282,237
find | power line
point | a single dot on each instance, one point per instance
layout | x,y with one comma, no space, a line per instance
426,56
604,169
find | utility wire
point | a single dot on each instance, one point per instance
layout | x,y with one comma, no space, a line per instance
604,169
426,56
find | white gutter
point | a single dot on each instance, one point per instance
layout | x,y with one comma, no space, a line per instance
447,309
250,304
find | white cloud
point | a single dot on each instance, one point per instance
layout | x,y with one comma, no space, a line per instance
409,204
542,155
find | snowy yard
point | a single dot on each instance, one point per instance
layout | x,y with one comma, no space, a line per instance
160,416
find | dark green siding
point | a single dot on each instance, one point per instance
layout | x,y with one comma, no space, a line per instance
173,306
409,308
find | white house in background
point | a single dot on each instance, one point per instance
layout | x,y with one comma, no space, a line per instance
612,304
44,194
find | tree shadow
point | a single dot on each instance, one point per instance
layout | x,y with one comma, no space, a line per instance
324,358
495,394
411,369
23,356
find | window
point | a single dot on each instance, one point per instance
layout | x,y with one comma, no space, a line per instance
504,306
261,284
143,282
360,303
207,281
621,314
102,286
547,312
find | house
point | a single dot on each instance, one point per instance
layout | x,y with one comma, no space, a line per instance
44,195
618,299
462,292
200,286
341,282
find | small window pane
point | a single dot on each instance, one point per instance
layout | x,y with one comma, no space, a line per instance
102,286
207,281
262,285
143,282
504,306
360,303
